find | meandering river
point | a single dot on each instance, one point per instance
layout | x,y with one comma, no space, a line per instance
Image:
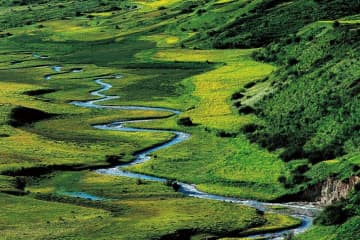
304,212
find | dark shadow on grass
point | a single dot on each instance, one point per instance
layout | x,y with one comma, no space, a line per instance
21,116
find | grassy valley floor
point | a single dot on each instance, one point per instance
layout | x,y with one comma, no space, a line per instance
48,146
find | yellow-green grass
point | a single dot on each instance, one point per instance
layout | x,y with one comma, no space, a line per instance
108,187
148,5
26,218
69,139
230,166
223,1
208,91
214,88
154,208
162,40
226,166
233,166
170,90
8,184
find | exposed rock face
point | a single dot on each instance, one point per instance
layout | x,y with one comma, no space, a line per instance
333,190
325,193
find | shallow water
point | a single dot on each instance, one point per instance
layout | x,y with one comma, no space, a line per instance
83,195
56,68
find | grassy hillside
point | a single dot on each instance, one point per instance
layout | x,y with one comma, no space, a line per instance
313,110
244,24
310,113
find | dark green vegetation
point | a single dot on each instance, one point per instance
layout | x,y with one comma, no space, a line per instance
246,24
258,131
314,108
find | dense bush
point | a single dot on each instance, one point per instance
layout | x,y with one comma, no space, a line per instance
333,214
237,95
314,110
186,121
246,110
255,29
173,184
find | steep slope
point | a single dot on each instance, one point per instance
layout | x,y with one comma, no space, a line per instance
244,24
314,108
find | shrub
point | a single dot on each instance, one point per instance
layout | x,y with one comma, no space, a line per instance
20,183
113,159
282,179
250,128
139,181
328,152
292,61
333,214
161,8
237,95
250,84
238,104
115,8
201,11
246,110
173,184
224,134
292,152
301,169
186,121
297,39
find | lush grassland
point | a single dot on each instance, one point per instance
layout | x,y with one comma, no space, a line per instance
201,82
141,209
155,45
63,141
105,41
243,167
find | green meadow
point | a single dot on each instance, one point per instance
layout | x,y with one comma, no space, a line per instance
172,54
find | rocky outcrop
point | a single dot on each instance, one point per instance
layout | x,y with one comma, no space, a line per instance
324,193
334,190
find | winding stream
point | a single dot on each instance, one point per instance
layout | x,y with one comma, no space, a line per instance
305,212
